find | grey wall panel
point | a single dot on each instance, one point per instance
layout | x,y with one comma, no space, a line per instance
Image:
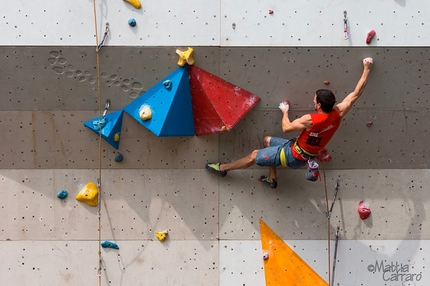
395,140
44,139
65,78
398,80
58,139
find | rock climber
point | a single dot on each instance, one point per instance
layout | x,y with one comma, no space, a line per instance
316,130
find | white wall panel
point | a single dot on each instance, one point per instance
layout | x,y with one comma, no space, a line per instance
135,204
216,23
297,208
181,263
159,23
358,263
52,263
321,23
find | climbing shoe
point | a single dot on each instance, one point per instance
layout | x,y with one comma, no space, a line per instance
312,174
214,167
272,183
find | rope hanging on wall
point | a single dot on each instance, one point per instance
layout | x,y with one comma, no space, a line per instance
328,224
99,180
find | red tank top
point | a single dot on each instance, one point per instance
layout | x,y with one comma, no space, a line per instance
324,125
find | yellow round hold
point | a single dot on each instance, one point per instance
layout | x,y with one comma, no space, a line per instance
145,112
116,137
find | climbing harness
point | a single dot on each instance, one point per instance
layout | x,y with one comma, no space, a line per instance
345,25
305,155
336,189
335,255
99,46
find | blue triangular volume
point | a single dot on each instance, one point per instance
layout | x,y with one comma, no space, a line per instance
110,125
170,104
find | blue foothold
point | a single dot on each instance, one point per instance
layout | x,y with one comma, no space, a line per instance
109,244
167,84
132,22
62,194
119,157
99,124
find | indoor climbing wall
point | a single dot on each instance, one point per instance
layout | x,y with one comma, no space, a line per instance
53,82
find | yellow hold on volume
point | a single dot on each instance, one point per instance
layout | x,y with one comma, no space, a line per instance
185,57
136,3
145,112
89,195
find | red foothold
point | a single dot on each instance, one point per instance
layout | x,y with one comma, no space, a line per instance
270,11
370,123
326,82
370,36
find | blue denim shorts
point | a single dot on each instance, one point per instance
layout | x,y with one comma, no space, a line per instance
269,156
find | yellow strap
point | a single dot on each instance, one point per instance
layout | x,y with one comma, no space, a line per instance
283,158
300,150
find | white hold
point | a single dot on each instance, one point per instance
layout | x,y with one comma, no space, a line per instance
145,112
265,255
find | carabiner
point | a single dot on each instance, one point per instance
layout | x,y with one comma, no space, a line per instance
107,105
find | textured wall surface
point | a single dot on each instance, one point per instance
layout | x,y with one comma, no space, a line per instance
49,87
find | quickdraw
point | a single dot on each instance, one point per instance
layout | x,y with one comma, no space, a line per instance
345,25
336,189
104,37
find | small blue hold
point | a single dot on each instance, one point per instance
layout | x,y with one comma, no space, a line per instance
62,194
119,157
132,22
99,124
109,244
167,84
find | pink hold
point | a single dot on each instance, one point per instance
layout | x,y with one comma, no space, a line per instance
363,210
370,123
270,11
326,82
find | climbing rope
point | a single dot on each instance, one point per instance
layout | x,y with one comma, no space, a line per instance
328,224
99,180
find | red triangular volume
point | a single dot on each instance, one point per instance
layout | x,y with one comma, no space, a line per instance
218,105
